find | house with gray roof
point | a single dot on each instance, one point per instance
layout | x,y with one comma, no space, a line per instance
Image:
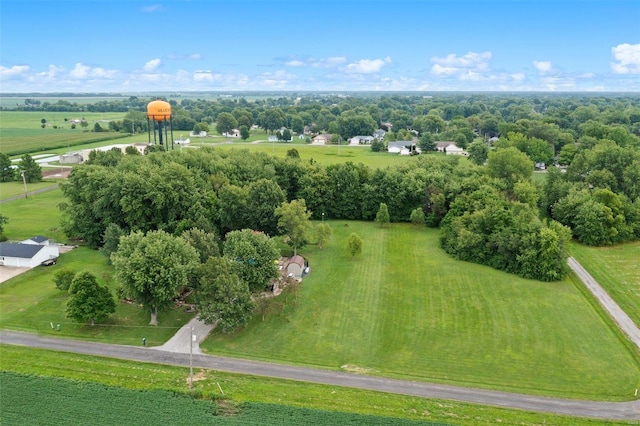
29,253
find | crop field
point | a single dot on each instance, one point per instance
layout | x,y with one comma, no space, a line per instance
616,269
406,309
21,132
243,397
65,402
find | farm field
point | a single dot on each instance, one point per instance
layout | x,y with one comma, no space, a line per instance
248,395
406,309
21,132
10,189
616,269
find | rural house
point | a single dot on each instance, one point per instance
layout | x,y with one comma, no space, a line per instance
29,253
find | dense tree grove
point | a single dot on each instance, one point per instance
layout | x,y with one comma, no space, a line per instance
489,209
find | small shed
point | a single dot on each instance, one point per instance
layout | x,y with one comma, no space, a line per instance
294,266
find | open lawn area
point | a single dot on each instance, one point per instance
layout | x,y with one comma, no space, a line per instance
10,189
404,308
328,154
36,215
31,302
617,269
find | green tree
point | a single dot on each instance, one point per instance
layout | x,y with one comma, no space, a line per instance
354,245
478,152
221,296
89,301
265,196
265,305
225,123
152,268
293,221
3,221
31,169
254,256
63,279
510,164
272,119
417,217
205,243
110,240
244,132
7,173
426,142
323,234
382,217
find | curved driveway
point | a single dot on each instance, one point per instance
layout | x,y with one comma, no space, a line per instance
599,410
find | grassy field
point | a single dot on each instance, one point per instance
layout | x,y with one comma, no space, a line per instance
21,132
30,302
10,189
616,269
406,309
36,215
252,395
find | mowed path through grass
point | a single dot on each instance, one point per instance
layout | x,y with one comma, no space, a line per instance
617,270
406,309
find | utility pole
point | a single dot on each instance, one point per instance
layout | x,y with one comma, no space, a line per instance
24,182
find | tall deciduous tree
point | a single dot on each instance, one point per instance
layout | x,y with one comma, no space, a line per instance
293,220
254,256
478,152
31,169
354,245
152,268
89,301
511,165
221,296
205,243
225,123
7,174
63,279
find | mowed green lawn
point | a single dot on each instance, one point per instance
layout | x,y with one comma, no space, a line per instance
36,215
617,269
31,302
404,308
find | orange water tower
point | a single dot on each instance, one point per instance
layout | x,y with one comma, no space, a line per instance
159,117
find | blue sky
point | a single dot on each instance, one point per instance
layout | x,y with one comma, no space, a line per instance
139,46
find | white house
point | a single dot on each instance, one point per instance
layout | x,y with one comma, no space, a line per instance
361,140
186,141
397,147
322,139
26,255
453,149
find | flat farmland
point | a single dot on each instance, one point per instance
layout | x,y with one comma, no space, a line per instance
22,132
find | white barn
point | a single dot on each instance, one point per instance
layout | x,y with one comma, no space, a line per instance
26,255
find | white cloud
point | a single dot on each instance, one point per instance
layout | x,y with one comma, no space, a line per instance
626,59
83,72
13,72
151,65
80,71
202,75
152,8
295,63
195,56
368,66
453,64
542,66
